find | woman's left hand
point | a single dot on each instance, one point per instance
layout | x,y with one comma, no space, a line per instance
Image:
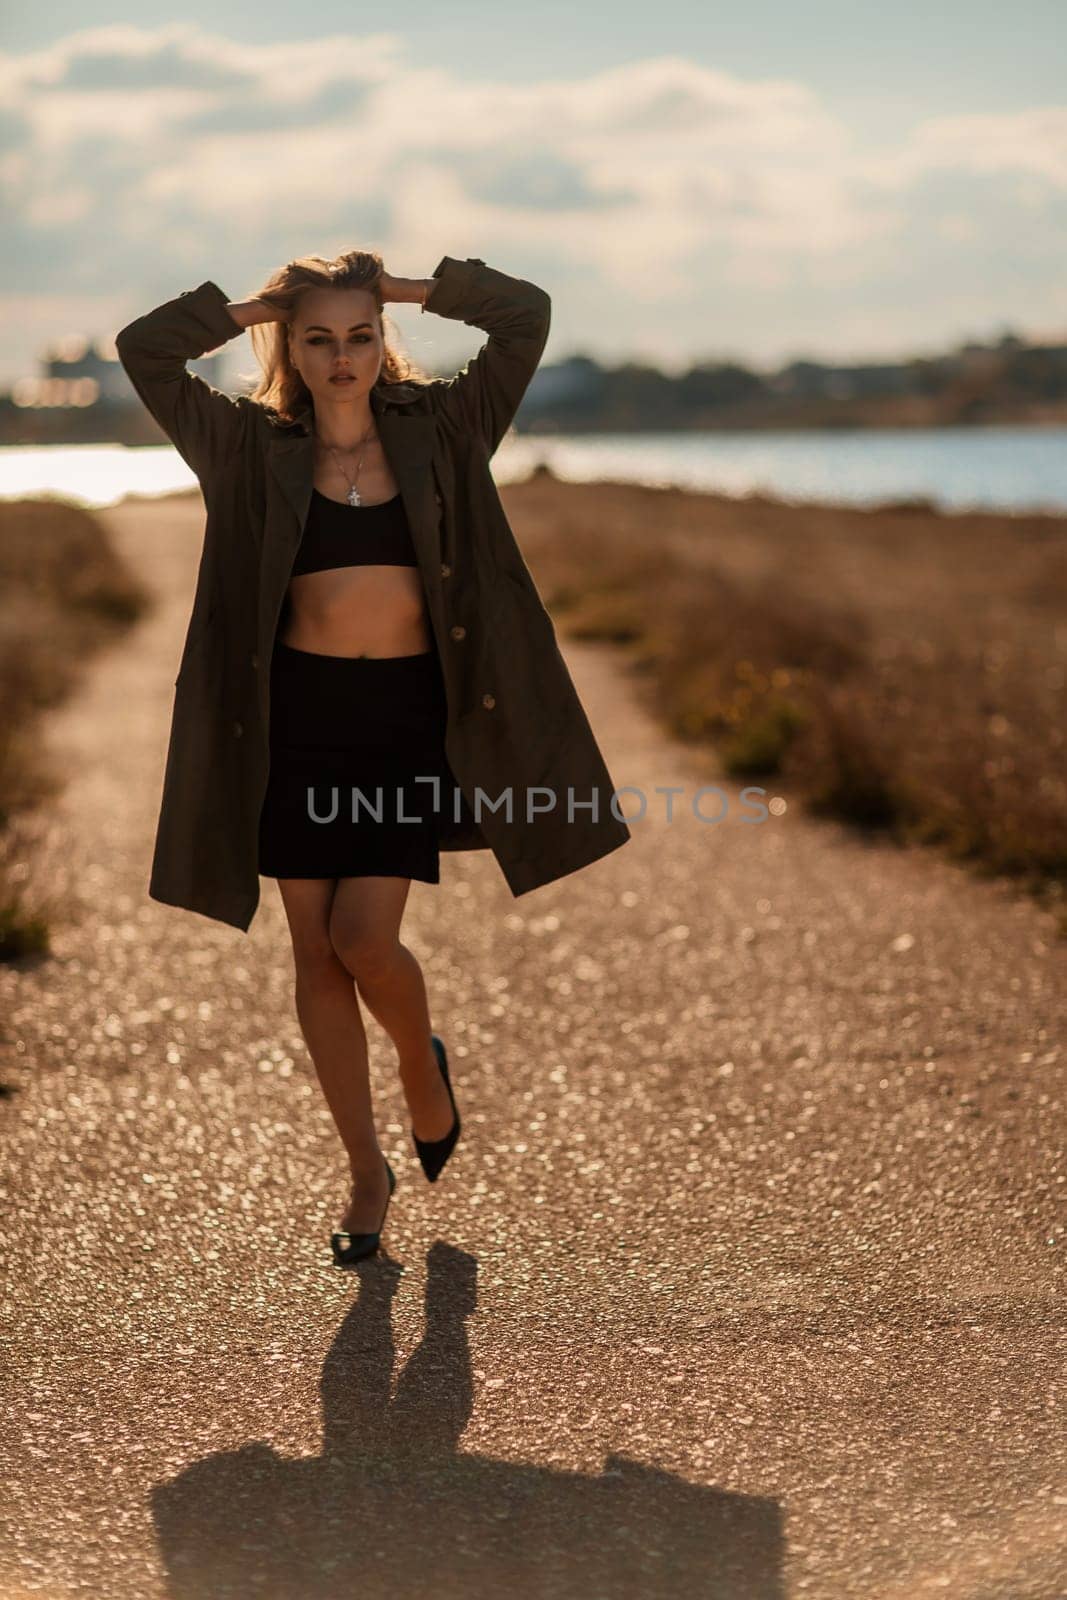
412,291
388,286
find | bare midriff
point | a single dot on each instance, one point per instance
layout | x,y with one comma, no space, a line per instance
373,610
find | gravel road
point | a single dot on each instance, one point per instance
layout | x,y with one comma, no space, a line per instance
743,1283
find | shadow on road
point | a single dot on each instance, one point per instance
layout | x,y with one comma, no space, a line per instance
392,1508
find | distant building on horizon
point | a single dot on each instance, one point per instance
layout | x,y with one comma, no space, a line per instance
75,370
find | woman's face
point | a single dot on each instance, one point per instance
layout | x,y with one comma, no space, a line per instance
335,332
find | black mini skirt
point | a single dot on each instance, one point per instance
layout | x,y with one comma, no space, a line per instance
355,744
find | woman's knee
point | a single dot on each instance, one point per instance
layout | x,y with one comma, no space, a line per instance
317,962
364,925
307,906
367,952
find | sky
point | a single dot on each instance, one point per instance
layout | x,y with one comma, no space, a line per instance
690,182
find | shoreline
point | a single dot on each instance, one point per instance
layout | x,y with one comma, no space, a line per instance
133,427
906,505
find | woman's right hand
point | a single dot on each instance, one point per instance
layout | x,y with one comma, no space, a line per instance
247,312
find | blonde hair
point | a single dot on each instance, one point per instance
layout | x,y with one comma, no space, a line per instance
279,386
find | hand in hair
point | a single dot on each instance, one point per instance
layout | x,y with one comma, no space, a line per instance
410,290
247,312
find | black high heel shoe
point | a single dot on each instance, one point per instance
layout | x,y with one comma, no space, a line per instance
433,1153
349,1247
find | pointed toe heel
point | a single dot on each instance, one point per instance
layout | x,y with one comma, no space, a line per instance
349,1247
433,1153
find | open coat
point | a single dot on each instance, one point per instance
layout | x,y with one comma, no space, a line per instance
534,786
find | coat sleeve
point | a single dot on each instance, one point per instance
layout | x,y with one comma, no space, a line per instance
203,424
485,395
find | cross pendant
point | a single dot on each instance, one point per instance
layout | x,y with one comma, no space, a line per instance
353,496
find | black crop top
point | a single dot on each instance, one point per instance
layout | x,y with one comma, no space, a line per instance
337,535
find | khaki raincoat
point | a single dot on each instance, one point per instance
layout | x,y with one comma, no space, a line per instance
534,786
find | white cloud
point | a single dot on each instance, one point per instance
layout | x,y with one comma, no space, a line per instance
665,147
1033,141
646,183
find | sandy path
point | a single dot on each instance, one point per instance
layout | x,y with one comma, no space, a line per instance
741,1284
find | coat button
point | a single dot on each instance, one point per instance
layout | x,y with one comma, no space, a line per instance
238,729
446,570
254,659
488,702
437,497
458,632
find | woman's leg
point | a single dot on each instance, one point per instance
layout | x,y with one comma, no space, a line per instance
364,927
332,1025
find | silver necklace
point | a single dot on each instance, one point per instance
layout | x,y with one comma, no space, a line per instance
353,496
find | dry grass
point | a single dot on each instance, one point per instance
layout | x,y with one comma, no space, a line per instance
894,668
64,594
897,669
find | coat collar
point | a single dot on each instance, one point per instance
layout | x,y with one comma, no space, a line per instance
407,439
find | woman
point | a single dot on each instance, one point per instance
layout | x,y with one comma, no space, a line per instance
323,550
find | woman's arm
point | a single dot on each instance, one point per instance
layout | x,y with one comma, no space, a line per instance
485,395
246,312
204,425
